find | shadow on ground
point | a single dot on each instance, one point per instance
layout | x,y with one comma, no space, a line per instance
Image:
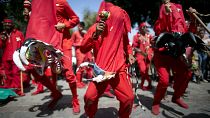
44,111
197,115
110,112
6,101
147,102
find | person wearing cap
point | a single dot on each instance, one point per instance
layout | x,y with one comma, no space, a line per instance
108,38
11,39
143,53
171,20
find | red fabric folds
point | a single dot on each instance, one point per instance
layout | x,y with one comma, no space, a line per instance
111,48
42,23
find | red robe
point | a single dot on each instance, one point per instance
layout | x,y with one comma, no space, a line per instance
41,25
111,49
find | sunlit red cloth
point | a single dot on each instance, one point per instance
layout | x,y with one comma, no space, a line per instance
111,48
42,23
66,15
170,22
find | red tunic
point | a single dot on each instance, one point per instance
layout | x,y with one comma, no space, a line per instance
143,43
111,49
14,42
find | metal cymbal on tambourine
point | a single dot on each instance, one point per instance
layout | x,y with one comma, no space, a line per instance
33,54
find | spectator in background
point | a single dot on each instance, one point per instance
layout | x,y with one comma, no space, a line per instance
143,53
11,39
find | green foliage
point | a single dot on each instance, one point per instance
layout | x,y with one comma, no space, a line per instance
13,9
89,18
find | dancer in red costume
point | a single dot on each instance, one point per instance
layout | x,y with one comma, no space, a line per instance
109,39
143,53
13,38
77,38
55,19
41,26
68,19
170,20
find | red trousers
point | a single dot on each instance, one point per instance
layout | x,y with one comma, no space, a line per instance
144,68
12,74
44,80
80,59
69,74
182,76
67,63
122,87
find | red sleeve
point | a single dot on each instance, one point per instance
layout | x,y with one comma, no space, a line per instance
73,18
157,27
178,23
192,28
22,39
88,42
73,38
135,41
182,16
128,48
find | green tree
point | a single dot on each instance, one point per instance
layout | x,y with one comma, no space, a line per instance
13,9
89,17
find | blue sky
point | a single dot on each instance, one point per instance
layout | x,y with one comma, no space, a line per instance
79,5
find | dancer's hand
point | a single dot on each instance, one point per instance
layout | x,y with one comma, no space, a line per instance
100,27
168,7
131,59
60,26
